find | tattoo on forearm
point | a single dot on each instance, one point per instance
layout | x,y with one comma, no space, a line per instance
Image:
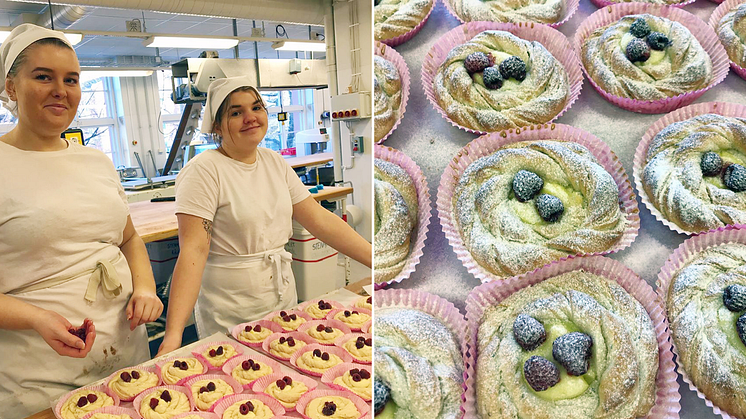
207,224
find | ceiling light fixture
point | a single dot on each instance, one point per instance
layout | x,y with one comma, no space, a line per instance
189,42
299,46
73,38
96,72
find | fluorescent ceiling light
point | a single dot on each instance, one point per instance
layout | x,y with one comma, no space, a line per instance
95,72
299,46
192,43
4,35
73,38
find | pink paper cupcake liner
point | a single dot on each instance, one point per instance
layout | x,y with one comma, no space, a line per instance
295,335
331,323
237,387
424,208
197,352
488,144
289,312
682,114
115,375
227,402
268,324
436,306
554,41
302,306
604,3
334,312
571,6
367,326
341,353
343,339
138,400
233,363
102,388
203,415
682,255
390,54
340,370
362,407
488,295
262,383
159,368
398,40
115,410
701,31
717,14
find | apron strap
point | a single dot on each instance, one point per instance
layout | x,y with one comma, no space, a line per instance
105,275
277,258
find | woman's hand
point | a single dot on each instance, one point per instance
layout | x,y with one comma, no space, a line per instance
170,343
144,306
55,330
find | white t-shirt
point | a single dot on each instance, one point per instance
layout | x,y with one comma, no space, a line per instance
60,213
250,205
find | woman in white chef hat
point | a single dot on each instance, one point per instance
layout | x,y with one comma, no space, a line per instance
235,207
68,250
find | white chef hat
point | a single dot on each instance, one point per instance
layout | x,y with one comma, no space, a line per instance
19,39
216,94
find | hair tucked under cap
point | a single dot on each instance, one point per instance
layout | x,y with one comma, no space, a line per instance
19,39
218,91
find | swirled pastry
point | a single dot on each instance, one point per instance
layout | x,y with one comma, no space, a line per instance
732,33
686,169
533,202
418,366
498,81
572,346
392,18
706,303
395,218
513,11
386,96
646,57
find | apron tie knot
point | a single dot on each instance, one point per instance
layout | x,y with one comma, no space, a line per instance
277,259
105,275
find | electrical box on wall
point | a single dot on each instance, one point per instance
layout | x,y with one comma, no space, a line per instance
295,66
351,106
357,145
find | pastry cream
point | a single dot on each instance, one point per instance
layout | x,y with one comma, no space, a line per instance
260,411
177,403
345,408
283,350
172,374
219,358
289,325
365,302
324,336
246,376
133,386
70,409
355,320
204,397
253,337
289,395
308,361
362,388
314,311
365,353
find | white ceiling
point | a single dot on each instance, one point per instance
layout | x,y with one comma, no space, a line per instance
100,49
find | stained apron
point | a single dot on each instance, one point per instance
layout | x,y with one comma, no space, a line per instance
237,289
33,375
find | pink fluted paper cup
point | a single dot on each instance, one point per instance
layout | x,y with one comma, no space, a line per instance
264,324
229,401
362,407
431,304
192,382
312,325
261,384
682,114
490,294
168,362
80,393
335,315
424,211
298,313
203,415
571,6
297,336
604,3
342,340
398,40
554,41
680,257
237,361
146,395
701,31
331,350
153,370
200,350
722,10
305,307
367,327
115,410
332,373
388,53
488,144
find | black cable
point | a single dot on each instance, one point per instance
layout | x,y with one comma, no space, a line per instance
279,34
51,16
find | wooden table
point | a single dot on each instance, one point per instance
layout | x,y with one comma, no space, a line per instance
312,160
157,220
356,287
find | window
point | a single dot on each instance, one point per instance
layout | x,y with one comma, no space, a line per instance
296,103
96,113
170,111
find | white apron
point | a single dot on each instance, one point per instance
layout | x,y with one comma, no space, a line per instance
237,289
33,375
